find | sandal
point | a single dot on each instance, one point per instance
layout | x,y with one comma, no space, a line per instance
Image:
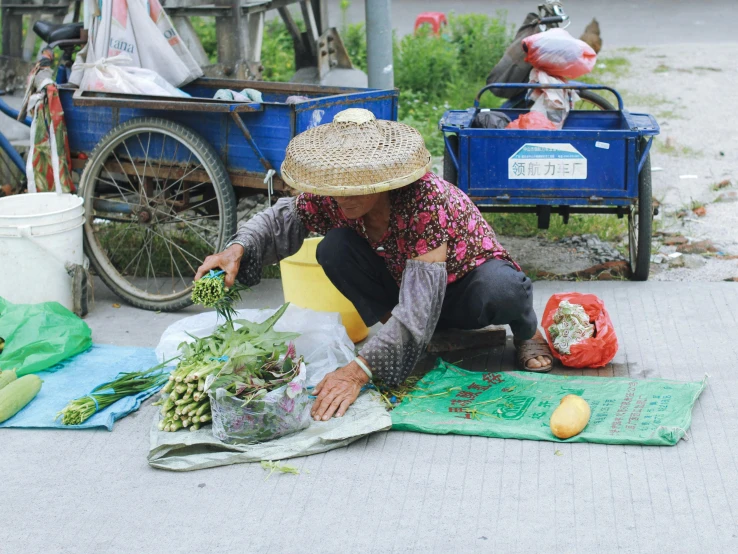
532,348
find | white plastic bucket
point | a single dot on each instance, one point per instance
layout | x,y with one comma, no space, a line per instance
40,234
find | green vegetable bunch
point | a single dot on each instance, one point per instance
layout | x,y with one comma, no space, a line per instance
210,291
233,356
126,384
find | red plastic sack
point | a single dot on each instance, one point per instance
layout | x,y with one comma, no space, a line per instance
558,53
532,120
594,352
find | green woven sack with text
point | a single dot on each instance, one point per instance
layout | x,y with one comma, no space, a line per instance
518,405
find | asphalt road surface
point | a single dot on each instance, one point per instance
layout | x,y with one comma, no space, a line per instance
623,23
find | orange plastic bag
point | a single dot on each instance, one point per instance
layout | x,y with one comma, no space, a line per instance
558,53
532,120
594,352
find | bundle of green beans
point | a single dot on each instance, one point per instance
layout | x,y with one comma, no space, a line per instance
187,405
230,355
210,291
126,384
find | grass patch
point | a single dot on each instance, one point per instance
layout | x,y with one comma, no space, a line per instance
695,205
646,100
672,148
271,272
631,49
668,114
124,244
605,227
662,68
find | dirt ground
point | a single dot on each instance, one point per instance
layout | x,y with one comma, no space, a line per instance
694,160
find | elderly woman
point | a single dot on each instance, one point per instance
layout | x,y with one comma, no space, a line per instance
407,248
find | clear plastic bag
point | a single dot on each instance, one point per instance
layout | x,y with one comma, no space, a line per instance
323,342
278,413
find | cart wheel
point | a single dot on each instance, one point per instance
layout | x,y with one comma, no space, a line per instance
640,221
450,173
157,201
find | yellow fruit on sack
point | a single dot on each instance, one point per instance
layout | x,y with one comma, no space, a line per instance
571,417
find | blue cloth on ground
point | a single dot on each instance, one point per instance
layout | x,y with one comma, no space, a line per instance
76,377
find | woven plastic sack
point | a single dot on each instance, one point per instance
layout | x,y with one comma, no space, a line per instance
532,120
558,53
594,352
278,413
39,336
519,404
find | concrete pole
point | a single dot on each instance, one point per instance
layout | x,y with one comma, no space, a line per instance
379,44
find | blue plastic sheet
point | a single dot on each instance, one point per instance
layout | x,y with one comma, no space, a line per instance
76,377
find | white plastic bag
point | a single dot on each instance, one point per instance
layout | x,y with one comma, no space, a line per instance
323,342
116,74
553,103
141,30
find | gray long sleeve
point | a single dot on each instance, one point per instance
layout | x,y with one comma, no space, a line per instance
268,237
394,351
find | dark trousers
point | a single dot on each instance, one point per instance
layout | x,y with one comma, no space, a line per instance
495,293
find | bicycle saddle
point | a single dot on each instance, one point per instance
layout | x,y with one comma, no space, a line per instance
56,32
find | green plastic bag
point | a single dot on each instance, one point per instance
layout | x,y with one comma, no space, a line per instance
518,405
39,336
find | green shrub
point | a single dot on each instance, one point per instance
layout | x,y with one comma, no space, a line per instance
354,39
278,51
205,29
481,41
425,63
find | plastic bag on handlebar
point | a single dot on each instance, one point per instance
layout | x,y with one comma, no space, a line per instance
558,53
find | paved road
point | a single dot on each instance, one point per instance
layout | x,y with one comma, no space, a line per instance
92,491
624,23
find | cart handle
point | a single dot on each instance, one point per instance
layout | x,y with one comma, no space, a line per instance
556,86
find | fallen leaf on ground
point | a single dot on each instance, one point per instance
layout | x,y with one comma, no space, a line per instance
116,305
558,453
700,212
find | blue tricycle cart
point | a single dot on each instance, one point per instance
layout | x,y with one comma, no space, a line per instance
598,163
159,175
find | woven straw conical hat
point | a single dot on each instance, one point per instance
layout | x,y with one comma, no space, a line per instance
356,154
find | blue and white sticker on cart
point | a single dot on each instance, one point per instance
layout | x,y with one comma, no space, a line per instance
547,161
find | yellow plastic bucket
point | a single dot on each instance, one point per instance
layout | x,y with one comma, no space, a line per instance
305,284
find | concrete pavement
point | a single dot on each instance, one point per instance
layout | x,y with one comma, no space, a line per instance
92,491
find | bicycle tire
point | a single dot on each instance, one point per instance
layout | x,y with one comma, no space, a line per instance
640,224
224,197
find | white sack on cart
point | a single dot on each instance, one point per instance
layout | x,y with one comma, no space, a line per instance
142,30
117,75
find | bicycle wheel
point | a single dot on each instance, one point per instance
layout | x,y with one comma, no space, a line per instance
640,222
157,201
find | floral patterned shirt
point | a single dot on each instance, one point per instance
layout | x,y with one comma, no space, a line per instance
423,216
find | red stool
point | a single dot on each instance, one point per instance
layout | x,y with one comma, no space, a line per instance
435,19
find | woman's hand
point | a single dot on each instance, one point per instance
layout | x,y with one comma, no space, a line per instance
337,391
229,261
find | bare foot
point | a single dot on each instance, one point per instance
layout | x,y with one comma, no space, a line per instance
537,361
